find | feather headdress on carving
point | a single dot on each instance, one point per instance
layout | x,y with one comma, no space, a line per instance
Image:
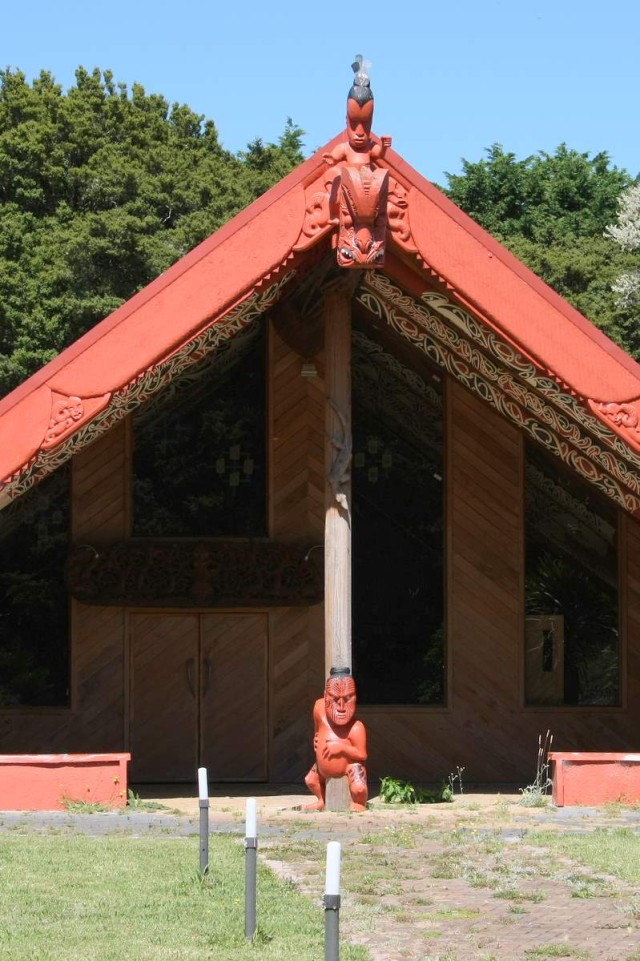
361,90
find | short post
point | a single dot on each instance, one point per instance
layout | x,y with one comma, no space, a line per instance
203,794
251,857
331,903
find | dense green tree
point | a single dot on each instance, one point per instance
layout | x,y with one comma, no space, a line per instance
551,211
101,189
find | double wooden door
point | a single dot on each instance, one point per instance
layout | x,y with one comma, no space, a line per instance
198,696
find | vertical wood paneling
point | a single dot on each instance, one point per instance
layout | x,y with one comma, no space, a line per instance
99,489
233,692
297,679
164,696
296,446
99,675
485,567
296,635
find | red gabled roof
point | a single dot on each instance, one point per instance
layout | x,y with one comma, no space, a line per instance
276,233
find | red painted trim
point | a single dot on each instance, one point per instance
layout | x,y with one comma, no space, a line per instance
591,777
44,782
196,292
496,249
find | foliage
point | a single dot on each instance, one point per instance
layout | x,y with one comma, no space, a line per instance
102,189
626,233
551,211
394,791
142,804
536,794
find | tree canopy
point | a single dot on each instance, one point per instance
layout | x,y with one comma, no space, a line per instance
552,211
101,189
626,232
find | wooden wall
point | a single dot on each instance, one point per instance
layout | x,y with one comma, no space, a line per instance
96,719
296,635
485,727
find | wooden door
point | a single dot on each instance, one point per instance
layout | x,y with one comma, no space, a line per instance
233,730
164,702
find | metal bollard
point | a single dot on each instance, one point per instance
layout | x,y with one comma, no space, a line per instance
203,793
331,902
250,868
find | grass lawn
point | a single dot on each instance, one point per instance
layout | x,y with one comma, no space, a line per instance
109,899
615,852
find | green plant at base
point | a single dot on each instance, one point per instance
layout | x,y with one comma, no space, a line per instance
140,804
394,791
84,807
536,794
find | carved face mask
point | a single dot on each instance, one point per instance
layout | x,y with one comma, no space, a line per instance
359,120
340,700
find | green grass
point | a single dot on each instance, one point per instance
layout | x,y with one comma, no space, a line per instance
109,899
615,852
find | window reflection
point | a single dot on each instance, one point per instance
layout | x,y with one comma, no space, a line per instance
571,629
34,606
398,593
199,451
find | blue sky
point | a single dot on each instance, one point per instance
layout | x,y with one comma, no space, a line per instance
449,79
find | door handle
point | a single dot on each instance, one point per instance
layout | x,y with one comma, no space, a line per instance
206,676
189,665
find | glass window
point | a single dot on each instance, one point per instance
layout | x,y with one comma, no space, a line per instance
34,607
571,628
199,450
397,550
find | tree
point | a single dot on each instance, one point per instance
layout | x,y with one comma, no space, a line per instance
101,189
551,211
626,233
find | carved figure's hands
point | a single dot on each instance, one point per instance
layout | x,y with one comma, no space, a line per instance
386,142
332,749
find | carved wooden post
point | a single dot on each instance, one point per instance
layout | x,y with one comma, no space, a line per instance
337,538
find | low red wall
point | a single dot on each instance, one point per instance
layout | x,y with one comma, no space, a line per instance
585,777
43,782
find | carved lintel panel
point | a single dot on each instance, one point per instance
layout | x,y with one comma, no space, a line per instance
196,574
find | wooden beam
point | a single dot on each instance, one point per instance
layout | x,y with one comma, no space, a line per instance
337,539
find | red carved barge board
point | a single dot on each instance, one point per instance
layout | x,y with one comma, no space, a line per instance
585,777
43,782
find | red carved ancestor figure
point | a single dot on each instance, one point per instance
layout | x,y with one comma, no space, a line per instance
358,200
339,742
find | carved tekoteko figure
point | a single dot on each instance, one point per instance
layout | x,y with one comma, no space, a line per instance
339,742
358,199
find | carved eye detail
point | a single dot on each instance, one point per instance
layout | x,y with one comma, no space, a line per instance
347,254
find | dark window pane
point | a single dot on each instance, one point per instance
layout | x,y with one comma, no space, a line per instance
34,607
572,650
398,595
199,451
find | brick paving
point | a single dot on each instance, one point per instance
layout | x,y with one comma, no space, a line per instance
466,881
